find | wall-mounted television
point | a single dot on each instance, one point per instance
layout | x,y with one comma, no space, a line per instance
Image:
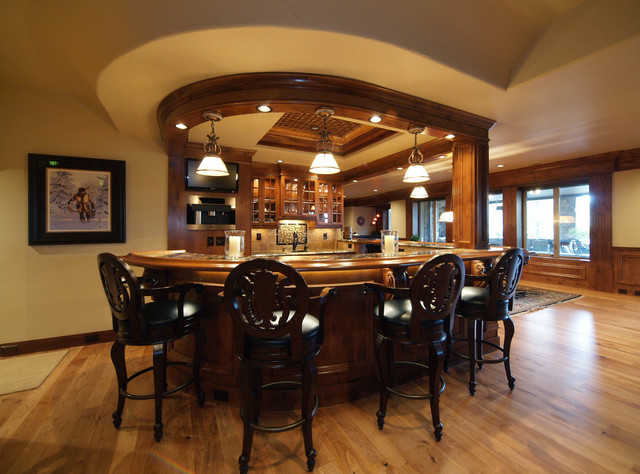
218,184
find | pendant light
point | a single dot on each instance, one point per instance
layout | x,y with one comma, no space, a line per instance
324,162
419,192
212,164
416,172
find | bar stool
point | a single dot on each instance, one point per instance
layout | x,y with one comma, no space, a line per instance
416,316
491,302
269,303
140,323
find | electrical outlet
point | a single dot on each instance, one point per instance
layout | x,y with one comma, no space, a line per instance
324,236
219,241
209,241
258,236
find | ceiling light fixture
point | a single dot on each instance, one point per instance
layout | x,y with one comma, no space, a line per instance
212,164
500,166
416,172
181,126
324,162
279,161
450,136
264,108
419,192
375,119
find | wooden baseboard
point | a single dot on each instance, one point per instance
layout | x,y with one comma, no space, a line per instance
53,343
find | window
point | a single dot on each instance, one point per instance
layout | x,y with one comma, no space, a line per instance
495,219
558,221
428,225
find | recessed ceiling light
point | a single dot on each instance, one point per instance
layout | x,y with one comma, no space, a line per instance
355,180
450,136
399,168
181,126
264,108
500,166
279,161
442,156
375,190
375,119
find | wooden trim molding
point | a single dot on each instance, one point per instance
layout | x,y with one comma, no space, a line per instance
54,343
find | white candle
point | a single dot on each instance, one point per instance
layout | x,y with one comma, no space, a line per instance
389,243
234,246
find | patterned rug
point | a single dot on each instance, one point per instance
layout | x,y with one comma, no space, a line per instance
532,299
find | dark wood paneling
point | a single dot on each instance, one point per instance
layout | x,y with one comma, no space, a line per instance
511,216
559,271
627,269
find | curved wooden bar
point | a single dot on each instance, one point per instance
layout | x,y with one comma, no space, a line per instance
346,363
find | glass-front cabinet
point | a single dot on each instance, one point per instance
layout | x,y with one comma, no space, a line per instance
298,197
330,204
264,201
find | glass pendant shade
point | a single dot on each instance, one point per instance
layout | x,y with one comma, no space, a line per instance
324,163
446,216
416,173
419,192
212,165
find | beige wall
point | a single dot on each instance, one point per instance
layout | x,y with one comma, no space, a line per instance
49,291
351,215
625,204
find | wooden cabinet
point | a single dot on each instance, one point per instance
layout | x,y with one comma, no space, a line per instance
264,201
330,204
298,197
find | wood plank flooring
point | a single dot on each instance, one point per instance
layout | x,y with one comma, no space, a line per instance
575,408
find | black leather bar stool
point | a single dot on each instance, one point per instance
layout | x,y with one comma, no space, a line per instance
269,304
416,316
491,302
141,323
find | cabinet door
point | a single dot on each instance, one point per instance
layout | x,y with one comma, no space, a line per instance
270,202
290,197
308,198
264,201
323,205
337,204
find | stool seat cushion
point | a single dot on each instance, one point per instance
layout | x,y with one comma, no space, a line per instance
158,313
473,302
310,329
397,312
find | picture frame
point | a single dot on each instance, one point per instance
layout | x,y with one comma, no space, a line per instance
75,200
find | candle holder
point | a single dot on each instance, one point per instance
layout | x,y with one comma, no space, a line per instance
233,244
389,242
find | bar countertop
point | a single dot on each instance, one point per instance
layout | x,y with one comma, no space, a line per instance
302,261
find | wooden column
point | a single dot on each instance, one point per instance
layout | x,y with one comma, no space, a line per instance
469,193
511,217
601,250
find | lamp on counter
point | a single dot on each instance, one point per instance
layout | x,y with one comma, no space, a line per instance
212,164
419,192
324,162
416,172
446,216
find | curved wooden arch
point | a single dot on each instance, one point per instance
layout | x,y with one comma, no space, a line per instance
240,94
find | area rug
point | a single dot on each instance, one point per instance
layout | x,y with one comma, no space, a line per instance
27,372
532,299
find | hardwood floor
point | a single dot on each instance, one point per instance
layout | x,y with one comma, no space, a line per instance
575,408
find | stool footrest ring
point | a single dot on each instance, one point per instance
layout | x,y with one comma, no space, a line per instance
420,396
290,426
484,361
133,396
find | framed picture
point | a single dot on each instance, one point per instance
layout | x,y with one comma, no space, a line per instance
75,200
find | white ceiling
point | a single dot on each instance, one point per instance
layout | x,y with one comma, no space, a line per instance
559,77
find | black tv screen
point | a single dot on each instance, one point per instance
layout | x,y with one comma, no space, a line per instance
219,184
